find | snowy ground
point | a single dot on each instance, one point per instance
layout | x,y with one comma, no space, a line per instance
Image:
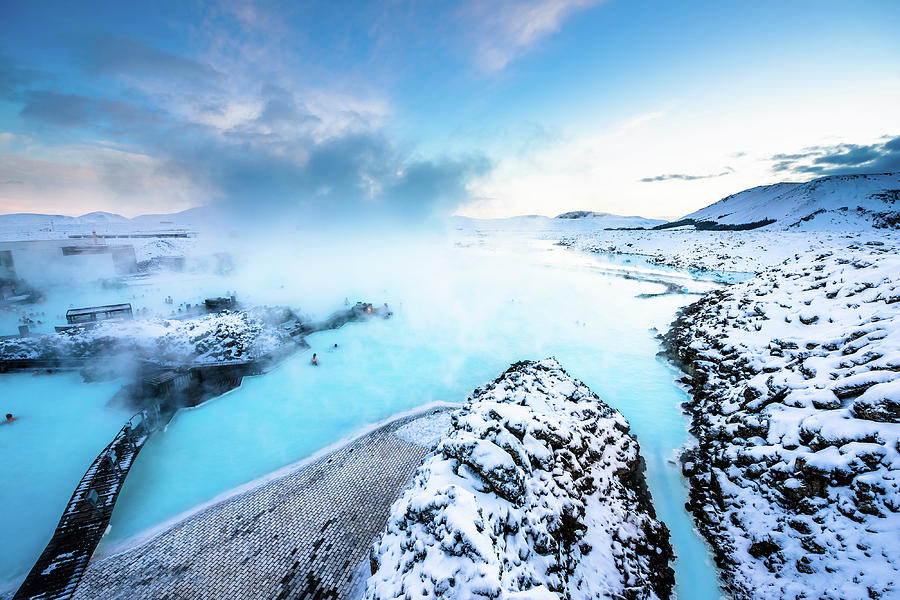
537,491
747,251
795,377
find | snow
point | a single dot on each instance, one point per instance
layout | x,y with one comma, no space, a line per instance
29,226
425,431
739,251
837,202
536,491
213,338
796,406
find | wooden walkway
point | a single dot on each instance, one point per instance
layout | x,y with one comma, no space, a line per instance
60,567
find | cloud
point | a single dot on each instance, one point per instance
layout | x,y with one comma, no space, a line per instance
641,119
71,178
507,29
123,55
842,159
682,177
14,78
261,143
77,110
277,163
359,177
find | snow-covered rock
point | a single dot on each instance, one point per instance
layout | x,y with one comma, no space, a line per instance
795,476
209,339
536,491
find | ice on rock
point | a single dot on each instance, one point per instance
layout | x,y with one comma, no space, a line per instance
536,492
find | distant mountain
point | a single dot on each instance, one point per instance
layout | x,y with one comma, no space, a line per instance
102,217
579,219
838,202
609,220
186,218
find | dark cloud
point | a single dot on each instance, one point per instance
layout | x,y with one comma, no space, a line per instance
122,55
360,177
683,177
76,110
842,159
58,109
284,165
14,78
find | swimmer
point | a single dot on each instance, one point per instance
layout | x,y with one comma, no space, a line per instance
315,360
10,418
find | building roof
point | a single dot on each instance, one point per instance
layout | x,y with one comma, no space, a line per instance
97,309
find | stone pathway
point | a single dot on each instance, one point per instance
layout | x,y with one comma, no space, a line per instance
303,536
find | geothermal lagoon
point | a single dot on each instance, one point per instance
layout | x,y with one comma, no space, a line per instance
460,317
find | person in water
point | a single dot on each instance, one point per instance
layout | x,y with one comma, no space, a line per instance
315,360
10,418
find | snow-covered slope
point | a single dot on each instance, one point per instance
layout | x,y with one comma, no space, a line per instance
795,476
536,492
835,202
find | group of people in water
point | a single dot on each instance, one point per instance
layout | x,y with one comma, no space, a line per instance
314,361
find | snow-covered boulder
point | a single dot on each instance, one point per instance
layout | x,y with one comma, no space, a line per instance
795,384
881,402
536,491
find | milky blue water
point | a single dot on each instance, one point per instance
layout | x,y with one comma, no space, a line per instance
449,335
62,426
460,320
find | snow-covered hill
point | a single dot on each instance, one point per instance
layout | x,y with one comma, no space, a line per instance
839,202
31,226
609,220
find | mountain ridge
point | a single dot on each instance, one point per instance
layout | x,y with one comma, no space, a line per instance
832,202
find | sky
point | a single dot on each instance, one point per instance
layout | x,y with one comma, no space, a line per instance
412,109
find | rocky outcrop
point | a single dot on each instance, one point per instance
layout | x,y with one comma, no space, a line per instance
795,474
536,491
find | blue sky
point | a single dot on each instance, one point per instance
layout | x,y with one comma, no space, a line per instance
410,109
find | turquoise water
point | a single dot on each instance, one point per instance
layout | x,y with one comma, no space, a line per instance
460,321
62,426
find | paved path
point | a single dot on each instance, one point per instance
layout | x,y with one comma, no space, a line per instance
301,536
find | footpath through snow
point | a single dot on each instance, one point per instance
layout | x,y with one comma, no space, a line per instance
537,491
795,379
